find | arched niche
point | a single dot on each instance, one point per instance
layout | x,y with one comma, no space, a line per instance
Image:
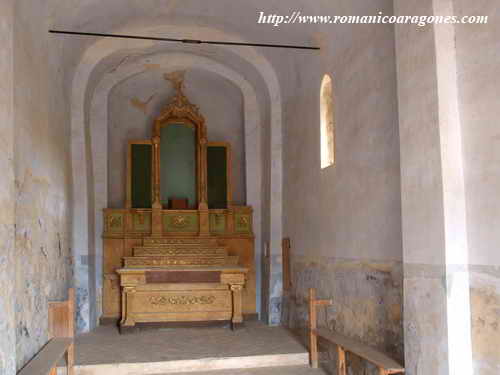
86,209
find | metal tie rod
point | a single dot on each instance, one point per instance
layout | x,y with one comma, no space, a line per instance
186,41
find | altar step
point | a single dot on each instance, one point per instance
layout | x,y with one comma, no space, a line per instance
266,364
283,370
255,347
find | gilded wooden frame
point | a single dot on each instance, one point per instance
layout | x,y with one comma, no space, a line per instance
181,111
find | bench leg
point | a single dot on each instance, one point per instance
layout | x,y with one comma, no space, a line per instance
313,338
70,359
314,350
341,364
53,371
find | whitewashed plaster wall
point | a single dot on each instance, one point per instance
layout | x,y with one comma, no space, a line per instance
352,206
42,176
478,56
426,189
35,259
344,221
448,111
136,102
7,192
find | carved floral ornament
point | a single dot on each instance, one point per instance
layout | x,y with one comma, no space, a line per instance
243,221
180,221
115,221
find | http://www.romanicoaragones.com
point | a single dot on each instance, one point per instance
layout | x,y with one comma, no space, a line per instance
296,17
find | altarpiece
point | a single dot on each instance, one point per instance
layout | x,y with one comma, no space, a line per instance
179,251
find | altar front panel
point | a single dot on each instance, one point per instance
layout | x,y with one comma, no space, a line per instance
181,305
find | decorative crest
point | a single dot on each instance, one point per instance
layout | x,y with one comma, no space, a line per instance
180,106
176,79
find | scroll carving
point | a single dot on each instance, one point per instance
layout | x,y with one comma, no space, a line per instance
236,287
182,300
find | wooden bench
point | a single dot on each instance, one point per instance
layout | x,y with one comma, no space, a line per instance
61,336
385,364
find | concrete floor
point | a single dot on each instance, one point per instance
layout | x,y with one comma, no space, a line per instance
105,345
253,349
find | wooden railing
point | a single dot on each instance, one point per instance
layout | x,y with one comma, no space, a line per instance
61,342
385,364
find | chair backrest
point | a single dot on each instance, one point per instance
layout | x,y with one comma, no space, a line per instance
62,317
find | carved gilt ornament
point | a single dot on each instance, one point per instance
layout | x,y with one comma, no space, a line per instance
182,300
180,221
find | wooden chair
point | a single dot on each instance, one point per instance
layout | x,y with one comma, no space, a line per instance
385,364
61,340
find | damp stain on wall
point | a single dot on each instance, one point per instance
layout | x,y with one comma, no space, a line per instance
367,302
485,311
142,105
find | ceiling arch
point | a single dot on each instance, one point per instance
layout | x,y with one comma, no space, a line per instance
94,68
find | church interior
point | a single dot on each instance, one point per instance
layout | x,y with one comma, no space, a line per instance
234,208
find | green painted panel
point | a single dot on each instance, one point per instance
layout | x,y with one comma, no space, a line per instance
178,163
217,177
181,222
141,175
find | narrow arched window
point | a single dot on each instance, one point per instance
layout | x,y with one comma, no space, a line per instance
327,113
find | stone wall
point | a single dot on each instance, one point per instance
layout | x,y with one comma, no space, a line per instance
485,309
344,221
7,192
367,300
35,258
479,84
